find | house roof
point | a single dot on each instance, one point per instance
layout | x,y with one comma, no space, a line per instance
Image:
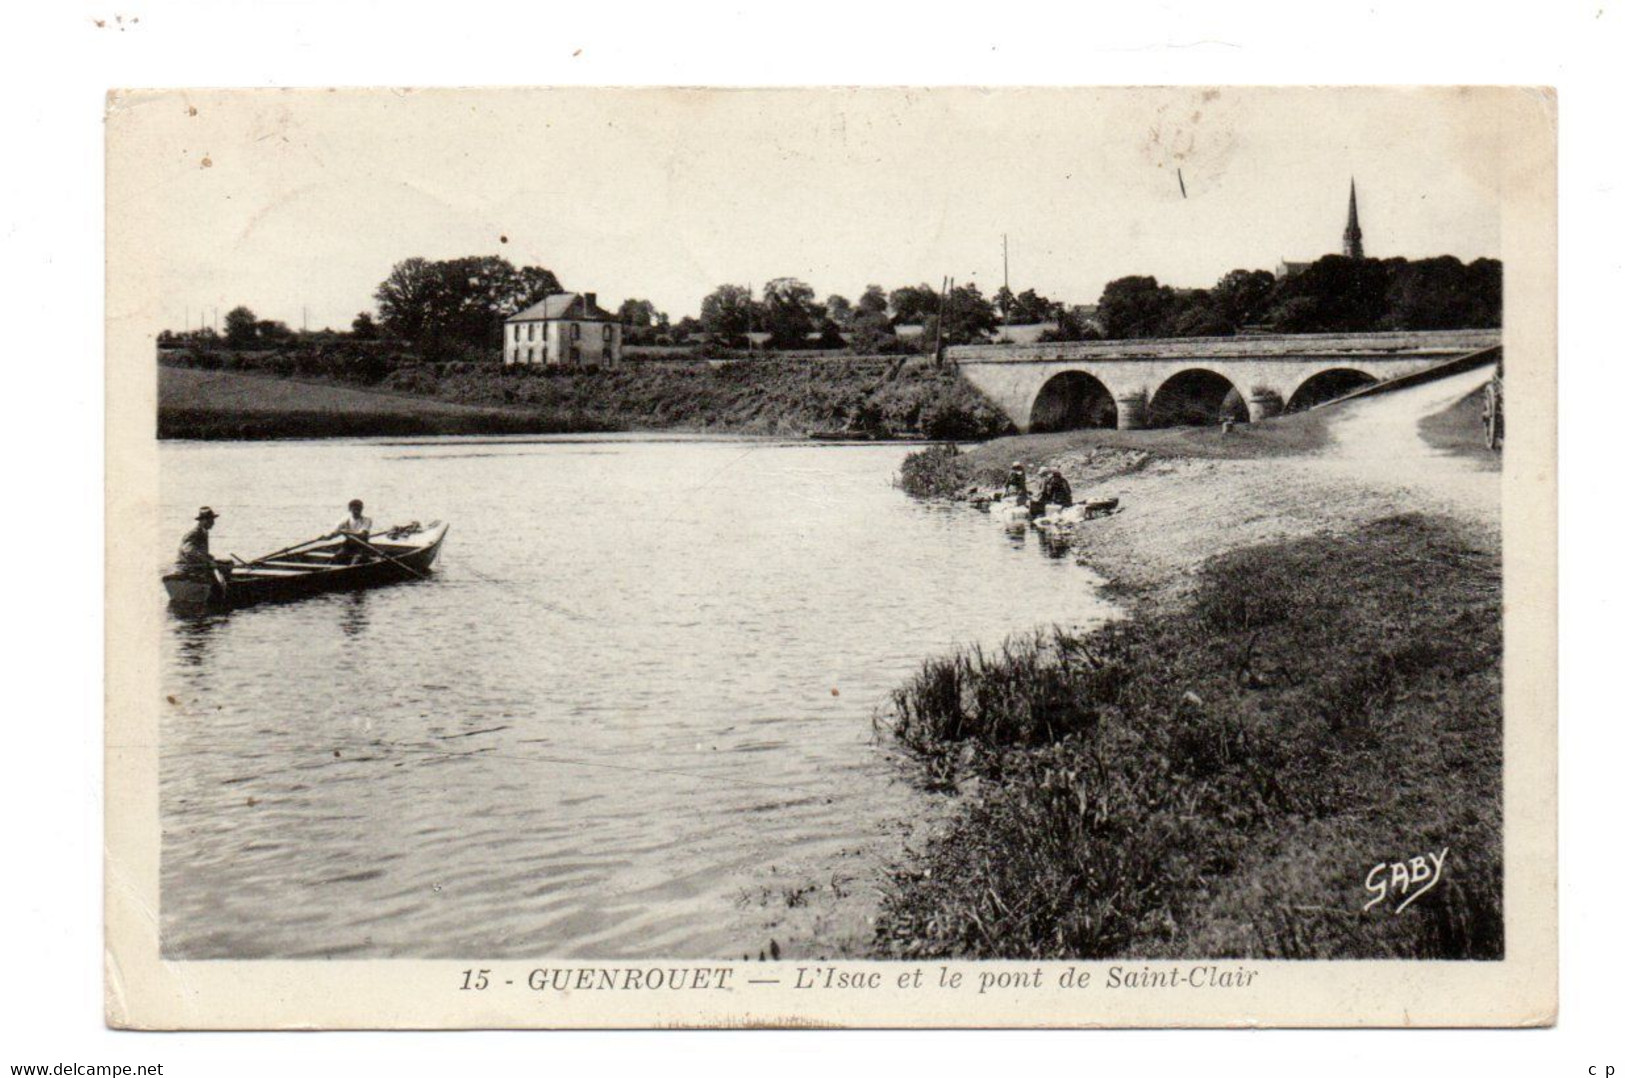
563,306
1023,334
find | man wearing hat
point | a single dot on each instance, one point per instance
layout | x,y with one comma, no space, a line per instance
194,555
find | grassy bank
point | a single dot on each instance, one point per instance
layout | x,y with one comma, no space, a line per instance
1459,430
1217,776
222,405
878,397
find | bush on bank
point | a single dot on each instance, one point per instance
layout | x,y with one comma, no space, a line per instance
937,471
1217,780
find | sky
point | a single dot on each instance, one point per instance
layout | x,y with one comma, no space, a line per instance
297,203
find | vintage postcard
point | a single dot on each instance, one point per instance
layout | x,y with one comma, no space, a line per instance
851,557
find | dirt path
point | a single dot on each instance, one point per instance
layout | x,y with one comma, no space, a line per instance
1376,442
1178,513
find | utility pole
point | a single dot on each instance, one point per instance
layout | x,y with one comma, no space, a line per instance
1007,280
942,312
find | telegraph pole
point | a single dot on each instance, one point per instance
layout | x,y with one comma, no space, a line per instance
1007,280
942,313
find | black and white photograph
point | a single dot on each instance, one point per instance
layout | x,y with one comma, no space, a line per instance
644,555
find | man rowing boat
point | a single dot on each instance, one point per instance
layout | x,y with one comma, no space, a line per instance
356,529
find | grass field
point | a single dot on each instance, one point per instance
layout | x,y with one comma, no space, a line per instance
224,404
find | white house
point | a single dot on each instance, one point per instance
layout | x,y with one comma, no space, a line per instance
567,329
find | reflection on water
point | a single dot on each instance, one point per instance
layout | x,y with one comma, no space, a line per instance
1053,542
353,614
193,632
639,686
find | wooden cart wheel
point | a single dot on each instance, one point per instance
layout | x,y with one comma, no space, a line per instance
1492,417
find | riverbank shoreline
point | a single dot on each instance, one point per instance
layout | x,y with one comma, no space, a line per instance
863,398
1214,775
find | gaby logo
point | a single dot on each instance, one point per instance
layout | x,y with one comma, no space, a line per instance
1405,881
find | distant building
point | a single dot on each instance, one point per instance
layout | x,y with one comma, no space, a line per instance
1353,241
568,329
1026,333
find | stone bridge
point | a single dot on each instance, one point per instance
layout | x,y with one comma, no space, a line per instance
1164,382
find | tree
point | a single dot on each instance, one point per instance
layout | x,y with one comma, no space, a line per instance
1242,296
1133,307
872,332
968,316
240,327
913,304
641,314
1027,309
788,312
1441,293
1196,315
534,285
363,328
272,332
873,301
1005,301
438,305
1074,324
1484,279
838,309
407,299
728,312
1030,308
1333,295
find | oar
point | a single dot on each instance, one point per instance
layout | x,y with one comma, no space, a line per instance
289,549
387,557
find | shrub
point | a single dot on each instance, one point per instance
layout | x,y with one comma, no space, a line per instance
937,471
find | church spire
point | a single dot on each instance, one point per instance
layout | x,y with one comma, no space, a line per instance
1352,247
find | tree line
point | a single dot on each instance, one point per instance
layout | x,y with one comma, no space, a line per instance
1332,295
454,308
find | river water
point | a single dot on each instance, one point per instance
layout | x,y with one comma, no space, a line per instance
637,690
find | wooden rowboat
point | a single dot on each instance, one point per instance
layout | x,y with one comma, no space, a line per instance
401,555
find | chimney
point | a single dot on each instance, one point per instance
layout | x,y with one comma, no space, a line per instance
592,301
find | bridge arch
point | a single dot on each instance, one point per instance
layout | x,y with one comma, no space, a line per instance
1327,385
1072,399
1195,396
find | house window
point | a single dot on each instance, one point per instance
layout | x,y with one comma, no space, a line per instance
516,334
530,332
606,334
575,331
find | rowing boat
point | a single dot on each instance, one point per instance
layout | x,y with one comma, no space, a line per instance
396,556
